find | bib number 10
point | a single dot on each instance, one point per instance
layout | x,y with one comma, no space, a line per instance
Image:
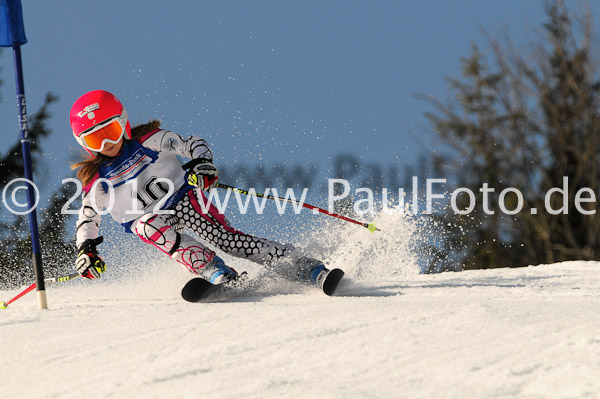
154,189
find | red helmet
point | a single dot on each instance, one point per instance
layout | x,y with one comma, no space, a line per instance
98,117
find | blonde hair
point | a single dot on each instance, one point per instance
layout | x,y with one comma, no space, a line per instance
89,166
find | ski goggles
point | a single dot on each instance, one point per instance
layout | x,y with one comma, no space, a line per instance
109,132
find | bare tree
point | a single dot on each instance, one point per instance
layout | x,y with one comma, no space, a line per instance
526,120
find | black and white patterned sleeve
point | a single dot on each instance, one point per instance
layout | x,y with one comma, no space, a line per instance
190,147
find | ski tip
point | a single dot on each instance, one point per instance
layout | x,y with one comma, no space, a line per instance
332,281
3,305
196,289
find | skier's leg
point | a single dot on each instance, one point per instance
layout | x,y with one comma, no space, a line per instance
213,227
164,232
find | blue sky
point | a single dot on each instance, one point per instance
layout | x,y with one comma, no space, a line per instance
262,81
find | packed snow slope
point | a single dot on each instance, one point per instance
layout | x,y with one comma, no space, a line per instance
524,333
530,332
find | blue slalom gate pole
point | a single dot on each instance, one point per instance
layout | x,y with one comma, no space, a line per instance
26,149
12,34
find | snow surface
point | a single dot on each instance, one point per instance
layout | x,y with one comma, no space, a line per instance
530,332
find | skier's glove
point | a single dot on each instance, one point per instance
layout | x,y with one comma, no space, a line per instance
201,173
88,263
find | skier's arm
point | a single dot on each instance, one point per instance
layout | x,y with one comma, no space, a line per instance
201,172
191,147
88,263
88,223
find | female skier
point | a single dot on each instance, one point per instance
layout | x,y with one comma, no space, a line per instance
134,173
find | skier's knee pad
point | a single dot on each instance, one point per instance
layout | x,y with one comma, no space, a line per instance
155,230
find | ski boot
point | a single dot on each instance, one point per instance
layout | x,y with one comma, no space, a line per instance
215,278
314,271
218,273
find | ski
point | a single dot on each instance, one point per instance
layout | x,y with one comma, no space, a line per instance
331,280
198,289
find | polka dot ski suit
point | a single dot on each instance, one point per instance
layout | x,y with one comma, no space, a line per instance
164,231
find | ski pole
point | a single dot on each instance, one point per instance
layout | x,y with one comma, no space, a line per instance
370,226
4,305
